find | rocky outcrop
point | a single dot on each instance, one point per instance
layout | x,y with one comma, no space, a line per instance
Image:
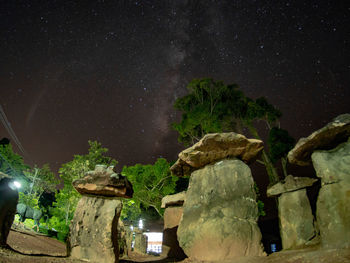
325,138
214,147
93,231
333,203
8,202
294,211
172,217
220,213
104,181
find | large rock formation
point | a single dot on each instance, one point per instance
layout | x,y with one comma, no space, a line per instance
8,202
333,203
220,213
104,181
172,216
93,232
294,211
325,138
214,147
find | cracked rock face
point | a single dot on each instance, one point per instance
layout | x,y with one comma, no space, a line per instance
333,203
220,213
93,232
214,147
326,138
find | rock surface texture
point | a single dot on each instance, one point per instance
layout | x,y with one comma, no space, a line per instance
220,213
214,147
290,184
325,138
173,200
8,202
333,203
104,181
94,230
294,211
172,217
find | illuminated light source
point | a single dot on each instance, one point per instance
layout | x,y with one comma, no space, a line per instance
17,184
140,224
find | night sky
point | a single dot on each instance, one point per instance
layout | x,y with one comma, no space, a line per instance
73,71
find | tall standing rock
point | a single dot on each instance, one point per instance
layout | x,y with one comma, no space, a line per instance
328,149
93,232
294,211
333,203
220,213
8,202
172,216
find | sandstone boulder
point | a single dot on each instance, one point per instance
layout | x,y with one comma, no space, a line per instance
170,246
333,203
296,220
290,184
220,213
325,138
8,202
214,147
104,181
174,200
93,232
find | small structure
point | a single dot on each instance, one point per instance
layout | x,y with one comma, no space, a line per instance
172,216
220,213
329,151
294,211
8,202
140,245
93,232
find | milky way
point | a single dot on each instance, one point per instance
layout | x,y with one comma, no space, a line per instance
111,70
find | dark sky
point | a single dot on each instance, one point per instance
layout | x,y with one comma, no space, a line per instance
110,71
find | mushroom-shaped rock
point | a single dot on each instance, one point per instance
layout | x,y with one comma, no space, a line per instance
290,184
103,181
214,147
174,200
326,138
294,211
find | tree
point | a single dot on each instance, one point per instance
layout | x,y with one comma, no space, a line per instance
150,183
11,163
215,107
67,198
280,143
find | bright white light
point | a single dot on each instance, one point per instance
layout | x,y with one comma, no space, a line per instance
17,184
154,236
140,224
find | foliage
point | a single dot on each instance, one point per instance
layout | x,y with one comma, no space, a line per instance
280,143
67,198
212,106
150,183
10,162
28,200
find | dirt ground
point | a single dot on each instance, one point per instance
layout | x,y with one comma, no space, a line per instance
30,247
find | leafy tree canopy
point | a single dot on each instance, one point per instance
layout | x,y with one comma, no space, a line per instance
150,183
212,106
11,163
